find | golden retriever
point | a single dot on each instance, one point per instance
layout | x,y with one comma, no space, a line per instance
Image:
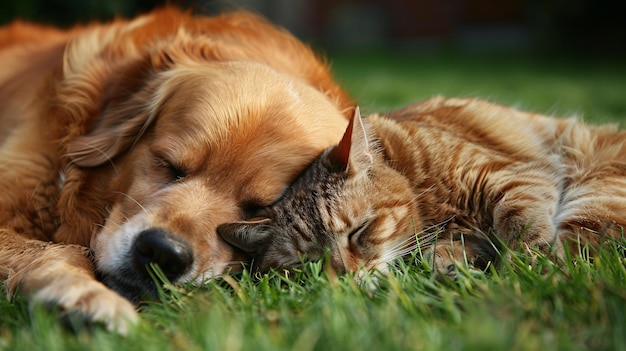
127,143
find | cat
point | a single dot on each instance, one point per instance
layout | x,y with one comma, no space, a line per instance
454,178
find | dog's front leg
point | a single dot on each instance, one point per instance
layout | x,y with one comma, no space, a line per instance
62,275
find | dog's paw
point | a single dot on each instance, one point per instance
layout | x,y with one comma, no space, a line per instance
89,299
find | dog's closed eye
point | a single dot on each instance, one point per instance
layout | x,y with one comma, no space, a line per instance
254,210
175,173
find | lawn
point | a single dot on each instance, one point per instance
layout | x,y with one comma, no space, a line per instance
525,304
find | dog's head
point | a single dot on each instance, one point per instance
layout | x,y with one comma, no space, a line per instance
178,150
225,138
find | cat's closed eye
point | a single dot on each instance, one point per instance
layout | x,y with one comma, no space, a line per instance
355,238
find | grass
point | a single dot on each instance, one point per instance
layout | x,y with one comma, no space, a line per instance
593,89
516,307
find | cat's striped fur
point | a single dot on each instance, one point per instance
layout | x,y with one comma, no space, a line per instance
454,177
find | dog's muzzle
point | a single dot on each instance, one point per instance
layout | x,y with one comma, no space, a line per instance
133,278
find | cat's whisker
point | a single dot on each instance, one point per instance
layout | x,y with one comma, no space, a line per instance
421,240
425,234
429,234
416,197
424,192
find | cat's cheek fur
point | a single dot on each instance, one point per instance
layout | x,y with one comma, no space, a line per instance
278,256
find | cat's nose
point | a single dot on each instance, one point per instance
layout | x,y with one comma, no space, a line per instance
156,245
338,262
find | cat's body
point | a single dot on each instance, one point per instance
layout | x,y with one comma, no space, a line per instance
460,175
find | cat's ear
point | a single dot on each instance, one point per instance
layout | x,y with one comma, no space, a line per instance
353,151
250,236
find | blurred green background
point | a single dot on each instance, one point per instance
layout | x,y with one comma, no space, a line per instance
553,56
590,27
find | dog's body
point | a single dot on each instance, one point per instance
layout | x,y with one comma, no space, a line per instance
133,140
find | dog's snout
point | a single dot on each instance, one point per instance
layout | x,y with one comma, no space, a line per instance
155,245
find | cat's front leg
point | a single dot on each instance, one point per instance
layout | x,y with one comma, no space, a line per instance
443,257
524,201
528,221
462,250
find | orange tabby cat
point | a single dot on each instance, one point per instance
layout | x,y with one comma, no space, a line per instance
455,178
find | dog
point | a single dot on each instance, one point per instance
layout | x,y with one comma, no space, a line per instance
125,144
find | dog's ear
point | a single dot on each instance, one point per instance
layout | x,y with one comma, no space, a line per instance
124,113
129,103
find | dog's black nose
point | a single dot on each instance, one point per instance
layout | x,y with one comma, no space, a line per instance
155,245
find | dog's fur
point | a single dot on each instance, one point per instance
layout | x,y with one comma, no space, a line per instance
168,124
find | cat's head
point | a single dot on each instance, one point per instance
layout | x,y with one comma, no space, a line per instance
349,202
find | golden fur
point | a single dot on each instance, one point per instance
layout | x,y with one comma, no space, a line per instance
167,121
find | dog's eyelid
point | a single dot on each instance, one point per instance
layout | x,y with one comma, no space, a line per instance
176,172
259,208
255,209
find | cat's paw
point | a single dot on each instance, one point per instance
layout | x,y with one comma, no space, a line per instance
449,264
